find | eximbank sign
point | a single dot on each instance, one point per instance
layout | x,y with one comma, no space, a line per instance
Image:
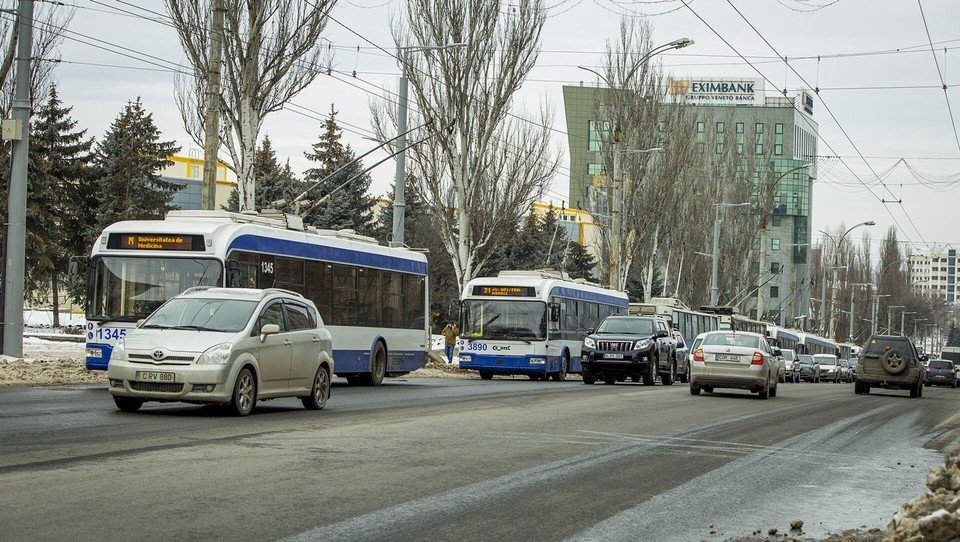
717,91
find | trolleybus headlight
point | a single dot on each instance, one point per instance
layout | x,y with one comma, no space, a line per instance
216,355
94,352
589,343
642,344
538,361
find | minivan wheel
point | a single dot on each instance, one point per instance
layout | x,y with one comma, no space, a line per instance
320,392
128,404
244,393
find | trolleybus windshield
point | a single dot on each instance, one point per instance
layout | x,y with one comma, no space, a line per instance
127,289
504,319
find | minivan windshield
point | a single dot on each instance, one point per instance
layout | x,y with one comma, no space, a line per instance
202,314
788,355
626,326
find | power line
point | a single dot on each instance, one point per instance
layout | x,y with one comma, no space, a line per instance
936,62
835,119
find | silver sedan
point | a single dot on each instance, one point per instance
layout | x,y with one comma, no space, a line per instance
739,360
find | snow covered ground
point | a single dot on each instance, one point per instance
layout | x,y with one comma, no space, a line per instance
48,363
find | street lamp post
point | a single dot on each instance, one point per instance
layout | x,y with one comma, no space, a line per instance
715,266
890,317
903,319
399,179
833,291
876,308
915,320
614,235
859,285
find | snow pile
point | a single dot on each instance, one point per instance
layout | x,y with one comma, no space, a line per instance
933,516
48,363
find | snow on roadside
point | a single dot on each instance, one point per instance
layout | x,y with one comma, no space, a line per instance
48,363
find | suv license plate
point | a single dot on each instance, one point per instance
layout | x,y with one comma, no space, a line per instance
148,376
728,357
613,356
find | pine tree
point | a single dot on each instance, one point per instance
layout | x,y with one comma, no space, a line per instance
347,207
538,245
58,201
579,263
953,337
129,160
273,181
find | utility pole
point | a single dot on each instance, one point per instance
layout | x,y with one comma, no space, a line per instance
399,177
715,263
823,299
851,316
211,120
903,319
17,196
890,317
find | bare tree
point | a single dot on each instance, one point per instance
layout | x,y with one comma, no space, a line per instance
271,50
49,23
483,165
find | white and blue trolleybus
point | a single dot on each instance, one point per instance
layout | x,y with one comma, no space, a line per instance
530,323
372,298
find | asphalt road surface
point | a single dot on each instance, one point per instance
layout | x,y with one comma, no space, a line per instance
455,459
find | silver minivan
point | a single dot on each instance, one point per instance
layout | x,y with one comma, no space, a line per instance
225,346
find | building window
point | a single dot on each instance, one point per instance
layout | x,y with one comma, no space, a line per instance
594,137
701,127
774,292
719,147
756,244
720,127
700,148
593,169
778,139
775,267
739,128
775,243
775,221
759,138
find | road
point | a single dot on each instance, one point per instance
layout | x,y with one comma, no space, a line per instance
454,459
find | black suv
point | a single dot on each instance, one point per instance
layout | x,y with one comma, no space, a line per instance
629,346
890,362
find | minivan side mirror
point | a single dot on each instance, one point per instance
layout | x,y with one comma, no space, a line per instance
267,330
777,351
662,333
591,331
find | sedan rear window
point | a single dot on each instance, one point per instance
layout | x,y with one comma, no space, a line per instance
731,339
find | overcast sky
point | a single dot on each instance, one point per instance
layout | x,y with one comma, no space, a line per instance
885,123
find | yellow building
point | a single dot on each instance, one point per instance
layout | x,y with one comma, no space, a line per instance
188,171
577,223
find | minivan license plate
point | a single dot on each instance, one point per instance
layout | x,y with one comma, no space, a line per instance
149,376
728,357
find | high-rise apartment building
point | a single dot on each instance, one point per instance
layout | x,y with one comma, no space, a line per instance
934,275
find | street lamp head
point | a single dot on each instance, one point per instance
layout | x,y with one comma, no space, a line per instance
870,223
681,43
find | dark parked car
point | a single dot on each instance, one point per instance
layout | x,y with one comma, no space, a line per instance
890,362
638,347
809,368
941,372
682,354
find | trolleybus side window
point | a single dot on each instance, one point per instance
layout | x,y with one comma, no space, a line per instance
369,309
392,293
288,274
344,310
318,287
413,291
